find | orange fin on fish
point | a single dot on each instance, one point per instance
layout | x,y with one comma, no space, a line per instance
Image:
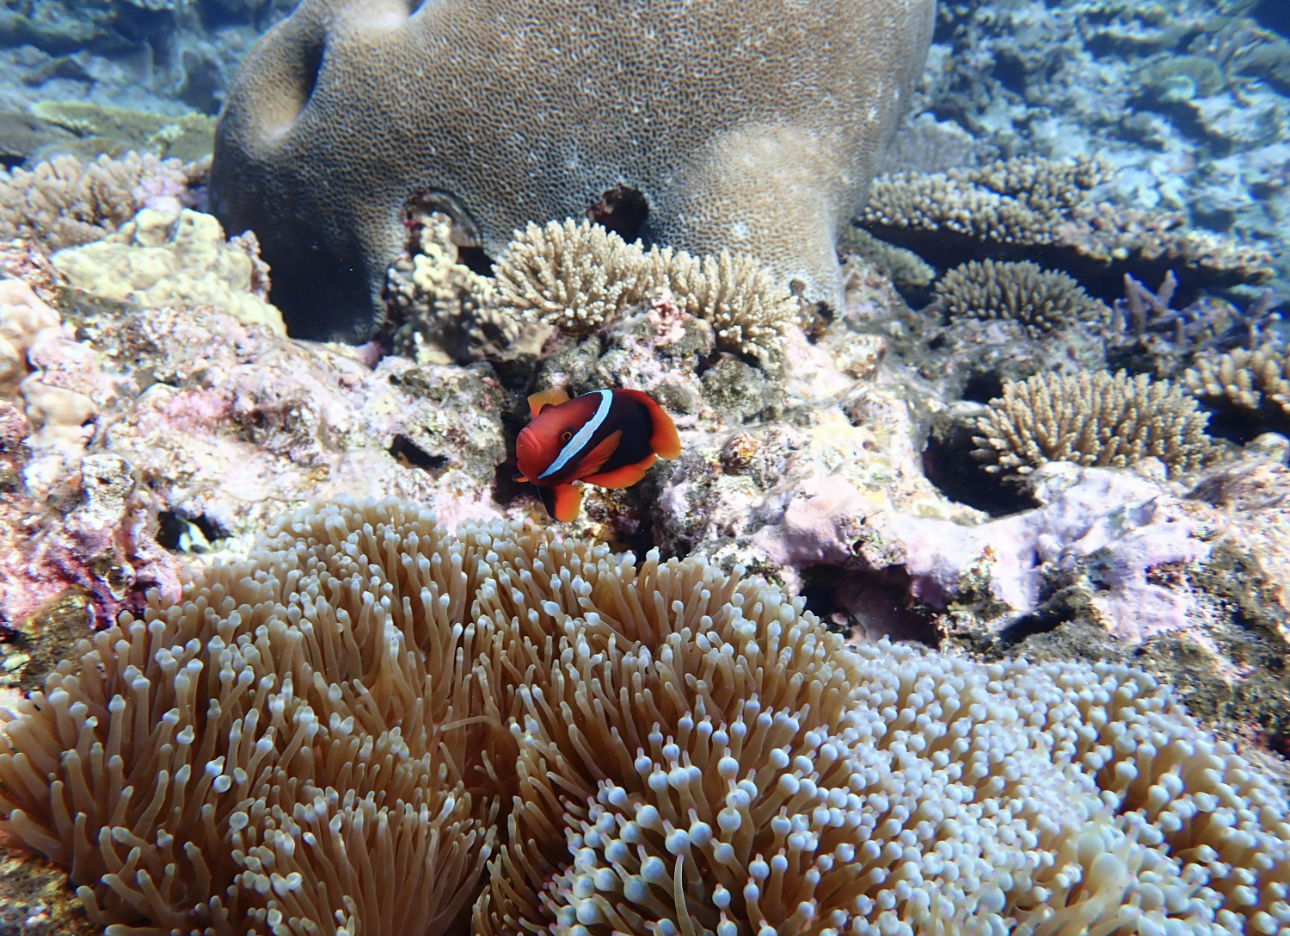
663,439
622,477
563,501
591,462
543,398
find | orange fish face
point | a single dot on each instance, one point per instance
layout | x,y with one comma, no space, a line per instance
539,443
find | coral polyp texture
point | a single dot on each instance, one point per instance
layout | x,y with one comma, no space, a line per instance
1110,421
753,127
371,726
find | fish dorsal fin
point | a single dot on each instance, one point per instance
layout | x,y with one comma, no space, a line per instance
590,463
553,397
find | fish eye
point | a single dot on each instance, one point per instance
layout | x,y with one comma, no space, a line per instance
566,436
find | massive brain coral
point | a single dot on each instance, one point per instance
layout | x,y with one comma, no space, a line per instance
752,127
374,727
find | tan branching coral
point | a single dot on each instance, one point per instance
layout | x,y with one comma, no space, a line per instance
572,275
1091,419
1257,381
1024,292
748,309
371,723
1104,232
1031,201
1021,200
64,201
578,276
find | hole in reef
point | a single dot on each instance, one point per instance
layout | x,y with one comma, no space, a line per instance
1010,70
187,534
622,210
404,449
1241,426
876,602
949,464
982,386
1274,15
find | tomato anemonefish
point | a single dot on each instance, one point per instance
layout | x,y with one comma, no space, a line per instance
606,437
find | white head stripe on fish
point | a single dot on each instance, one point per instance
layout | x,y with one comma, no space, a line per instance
582,436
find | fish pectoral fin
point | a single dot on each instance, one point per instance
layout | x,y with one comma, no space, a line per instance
591,462
521,477
543,398
622,477
566,501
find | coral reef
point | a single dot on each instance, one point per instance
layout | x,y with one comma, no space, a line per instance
371,687
177,258
574,276
1040,299
441,310
187,138
602,99
64,202
1254,381
577,278
1091,419
1028,207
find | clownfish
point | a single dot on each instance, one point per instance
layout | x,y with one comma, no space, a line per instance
605,437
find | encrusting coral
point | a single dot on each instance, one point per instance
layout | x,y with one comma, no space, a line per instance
1024,292
174,258
522,111
371,726
1100,419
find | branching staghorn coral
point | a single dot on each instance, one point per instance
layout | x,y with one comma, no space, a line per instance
1039,299
578,276
1025,205
572,275
1256,381
64,202
371,723
1091,419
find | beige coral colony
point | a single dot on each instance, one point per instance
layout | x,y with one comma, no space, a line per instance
373,722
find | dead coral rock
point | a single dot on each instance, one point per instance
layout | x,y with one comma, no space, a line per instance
526,115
